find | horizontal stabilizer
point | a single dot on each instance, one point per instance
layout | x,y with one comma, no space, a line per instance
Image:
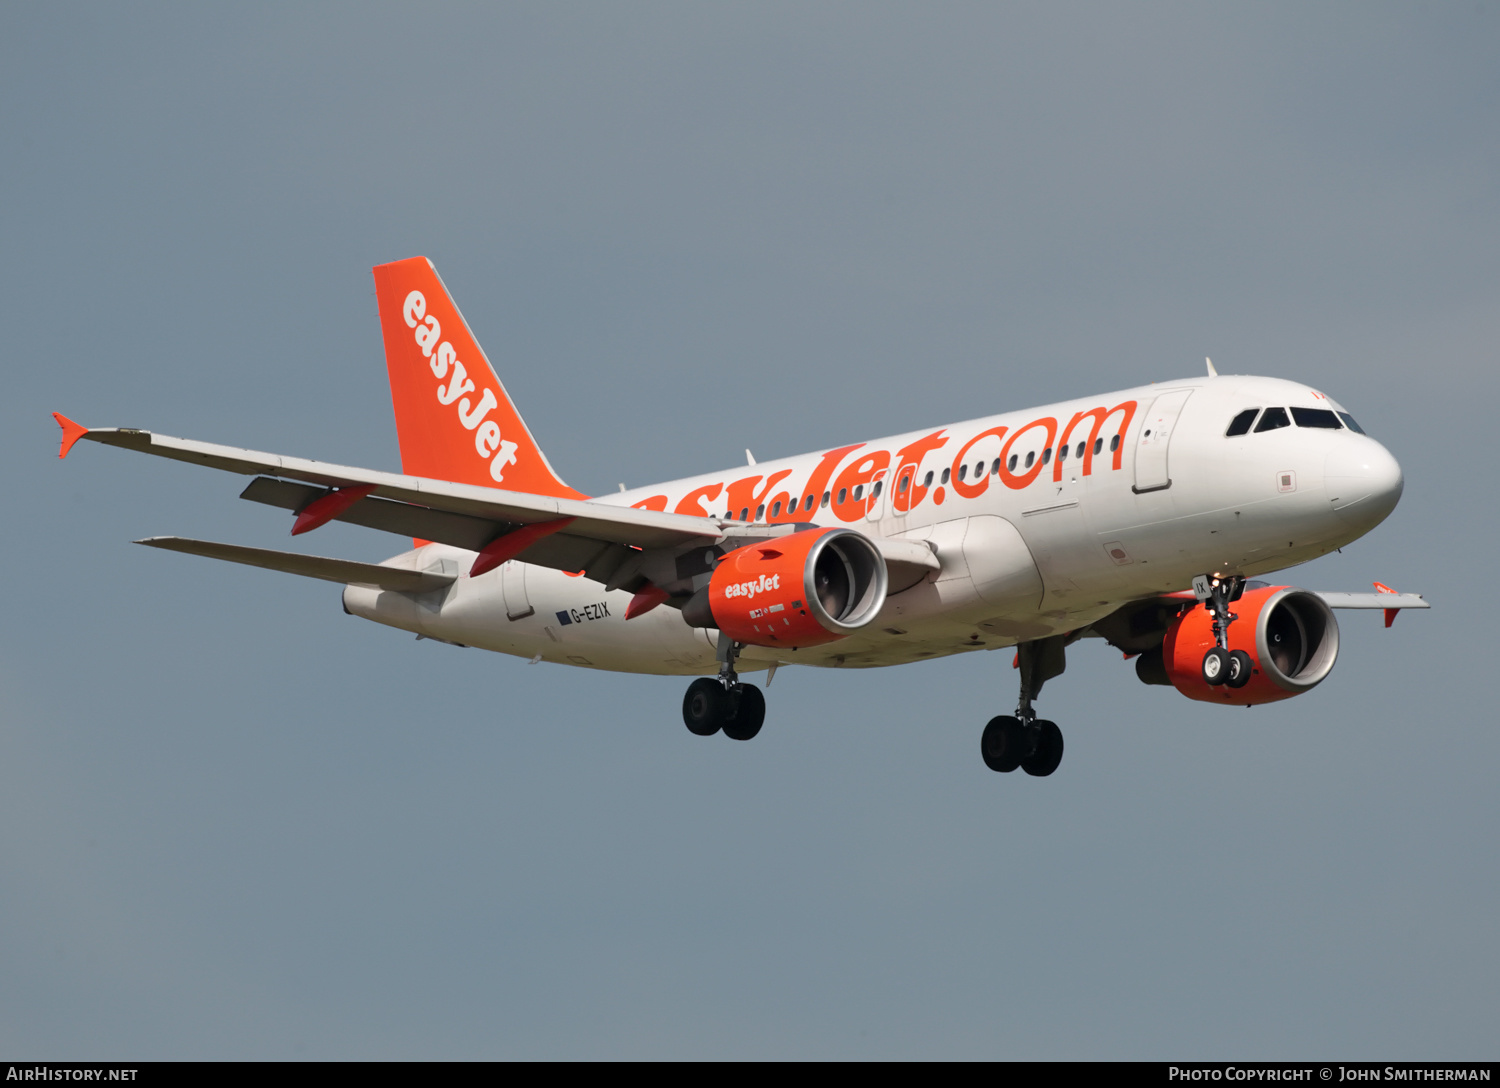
309,566
1373,600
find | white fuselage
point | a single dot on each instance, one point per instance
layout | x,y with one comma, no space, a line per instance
1031,542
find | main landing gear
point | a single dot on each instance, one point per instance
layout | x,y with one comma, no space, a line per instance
1220,664
1033,744
722,702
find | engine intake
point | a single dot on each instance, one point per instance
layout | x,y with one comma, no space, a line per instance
804,589
1290,634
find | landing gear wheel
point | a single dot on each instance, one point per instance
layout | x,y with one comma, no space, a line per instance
1004,744
1216,666
749,715
1048,752
705,706
1239,669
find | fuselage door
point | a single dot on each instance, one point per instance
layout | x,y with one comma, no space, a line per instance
877,498
513,586
1151,469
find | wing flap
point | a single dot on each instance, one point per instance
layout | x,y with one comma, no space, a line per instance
309,566
386,515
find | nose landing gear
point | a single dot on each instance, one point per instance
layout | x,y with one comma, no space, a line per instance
1033,744
1220,664
722,702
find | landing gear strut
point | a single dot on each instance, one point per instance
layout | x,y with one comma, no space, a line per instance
1033,744
1220,664
722,702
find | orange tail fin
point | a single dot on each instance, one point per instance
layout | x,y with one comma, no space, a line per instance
454,419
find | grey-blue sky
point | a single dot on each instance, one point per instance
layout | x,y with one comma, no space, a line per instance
235,822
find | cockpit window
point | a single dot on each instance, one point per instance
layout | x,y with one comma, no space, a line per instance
1316,417
1273,418
1349,422
1240,424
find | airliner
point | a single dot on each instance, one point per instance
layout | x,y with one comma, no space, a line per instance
1143,517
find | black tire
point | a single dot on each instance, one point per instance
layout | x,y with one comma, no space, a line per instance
1003,744
1216,666
705,706
1048,752
1240,668
749,715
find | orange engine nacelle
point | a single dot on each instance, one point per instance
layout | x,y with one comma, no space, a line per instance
1290,635
803,589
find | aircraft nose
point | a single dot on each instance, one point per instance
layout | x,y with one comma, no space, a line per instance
1363,481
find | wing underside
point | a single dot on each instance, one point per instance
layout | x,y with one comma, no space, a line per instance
604,542
598,540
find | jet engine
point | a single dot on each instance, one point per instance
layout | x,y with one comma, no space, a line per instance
804,589
1290,634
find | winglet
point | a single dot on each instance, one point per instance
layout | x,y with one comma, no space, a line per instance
1390,613
1212,373
72,432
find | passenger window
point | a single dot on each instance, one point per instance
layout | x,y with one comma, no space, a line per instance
825,498
945,475
859,492
1273,419
995,468
927,481
843,494
978,469
744,513
776,510
1030,457
760,512
1114,443
875,492
1098,446
1047,455
901,487
963,472
1316,417
1349,422
1079,451
1062,453
1240,424
1011,464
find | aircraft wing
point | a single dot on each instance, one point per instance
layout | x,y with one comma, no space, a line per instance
591,537
1386,601
567,534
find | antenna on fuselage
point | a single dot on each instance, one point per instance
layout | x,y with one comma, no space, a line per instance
1212,373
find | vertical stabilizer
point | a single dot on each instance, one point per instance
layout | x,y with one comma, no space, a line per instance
454,419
